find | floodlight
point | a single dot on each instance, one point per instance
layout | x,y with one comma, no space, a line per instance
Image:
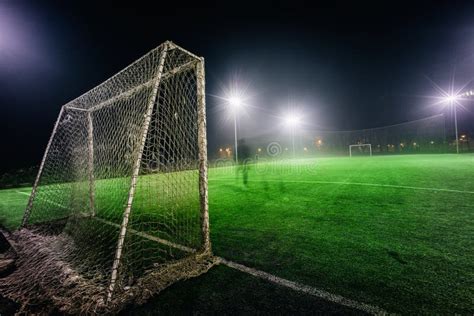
451,98
292,119
235,101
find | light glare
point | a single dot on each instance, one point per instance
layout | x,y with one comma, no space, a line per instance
292,119
451,98
235,102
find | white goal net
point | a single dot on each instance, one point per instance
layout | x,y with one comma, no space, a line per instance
119,207
360,150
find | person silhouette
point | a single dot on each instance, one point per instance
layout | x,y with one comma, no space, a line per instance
244,160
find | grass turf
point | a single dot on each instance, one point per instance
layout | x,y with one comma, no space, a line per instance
384,230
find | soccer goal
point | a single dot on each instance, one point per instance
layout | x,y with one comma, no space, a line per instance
360,150
120,201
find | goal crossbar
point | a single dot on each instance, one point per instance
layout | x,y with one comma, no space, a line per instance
134,90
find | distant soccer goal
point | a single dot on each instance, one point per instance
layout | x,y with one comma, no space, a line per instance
119,209
360,150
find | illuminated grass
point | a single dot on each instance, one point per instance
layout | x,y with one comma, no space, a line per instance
328,224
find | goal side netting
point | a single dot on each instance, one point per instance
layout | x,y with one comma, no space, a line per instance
119,207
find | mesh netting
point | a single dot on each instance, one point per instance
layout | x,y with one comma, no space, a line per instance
427,135
122,192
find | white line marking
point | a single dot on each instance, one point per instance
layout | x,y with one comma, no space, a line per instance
150,237
374,310
44,200
354,183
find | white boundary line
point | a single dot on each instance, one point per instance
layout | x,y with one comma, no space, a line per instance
150,237
337,299
374,310
354,183
44,200
25,193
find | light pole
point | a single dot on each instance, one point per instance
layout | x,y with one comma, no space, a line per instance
235,103
456,128
452,100
291,120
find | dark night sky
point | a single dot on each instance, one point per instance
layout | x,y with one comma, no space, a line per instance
349,66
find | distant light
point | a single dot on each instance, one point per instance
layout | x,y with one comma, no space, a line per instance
432,142
286,148
320,141
402,144
220,149
414,144
463,136
259,150
305,149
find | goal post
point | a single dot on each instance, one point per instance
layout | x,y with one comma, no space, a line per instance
362,148
123,181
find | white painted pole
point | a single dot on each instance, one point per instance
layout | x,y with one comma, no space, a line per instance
26,215
136,168
90,138
202,143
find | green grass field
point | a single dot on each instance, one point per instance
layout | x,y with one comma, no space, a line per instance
392,231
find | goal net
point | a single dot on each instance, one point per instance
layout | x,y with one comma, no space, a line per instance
119,207
360,150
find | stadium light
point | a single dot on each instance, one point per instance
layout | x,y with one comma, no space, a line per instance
234,98
235,103
452,97
452,100
291,121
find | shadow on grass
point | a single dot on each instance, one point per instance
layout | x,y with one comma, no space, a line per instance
226,291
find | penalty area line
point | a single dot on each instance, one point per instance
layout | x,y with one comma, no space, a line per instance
334,298
356,183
